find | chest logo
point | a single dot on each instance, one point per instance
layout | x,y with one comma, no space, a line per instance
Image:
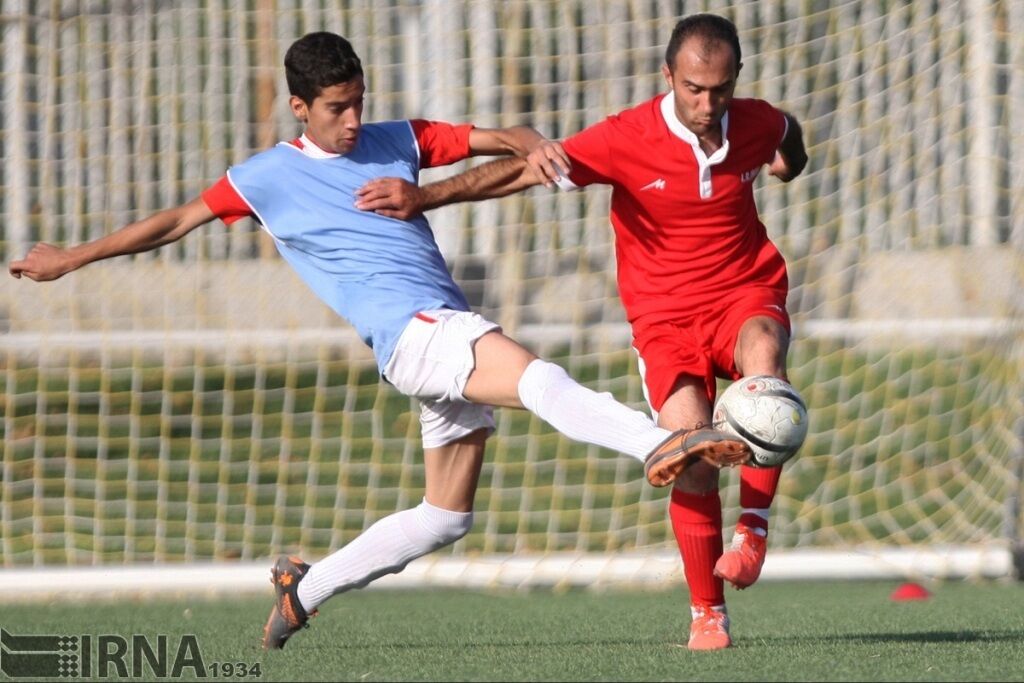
658,184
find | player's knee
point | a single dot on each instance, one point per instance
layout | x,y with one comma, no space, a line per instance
762,331
540,383
443,526
700,479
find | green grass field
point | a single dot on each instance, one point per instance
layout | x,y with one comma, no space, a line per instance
783,631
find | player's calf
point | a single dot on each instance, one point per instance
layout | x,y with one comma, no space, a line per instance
686,446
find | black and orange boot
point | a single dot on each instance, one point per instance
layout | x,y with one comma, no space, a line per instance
686,446
288,616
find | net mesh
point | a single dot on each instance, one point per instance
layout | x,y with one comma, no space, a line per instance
197,403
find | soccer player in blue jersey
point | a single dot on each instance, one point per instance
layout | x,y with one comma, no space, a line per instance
388,279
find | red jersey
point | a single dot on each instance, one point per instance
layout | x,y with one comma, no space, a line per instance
686,226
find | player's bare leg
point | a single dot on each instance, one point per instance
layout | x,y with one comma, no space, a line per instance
444,516
506,374
500,364
695,511
688,414
452,472
761,348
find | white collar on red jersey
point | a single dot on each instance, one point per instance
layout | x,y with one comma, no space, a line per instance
668,111
310,148
704,162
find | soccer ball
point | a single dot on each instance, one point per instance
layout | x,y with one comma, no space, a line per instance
767,413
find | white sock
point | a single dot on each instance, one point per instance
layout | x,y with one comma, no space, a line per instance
696,609
584,415
760,512
384,548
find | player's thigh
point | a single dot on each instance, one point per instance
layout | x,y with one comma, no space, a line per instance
675,370
761,347
498,366
752,334
453,471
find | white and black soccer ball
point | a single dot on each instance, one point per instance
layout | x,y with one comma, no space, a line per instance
767,413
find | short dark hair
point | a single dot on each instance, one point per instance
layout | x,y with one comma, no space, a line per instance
317,61
710,27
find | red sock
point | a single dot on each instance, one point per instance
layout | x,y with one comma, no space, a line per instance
757,491
697,523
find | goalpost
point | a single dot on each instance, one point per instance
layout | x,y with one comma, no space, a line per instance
198,410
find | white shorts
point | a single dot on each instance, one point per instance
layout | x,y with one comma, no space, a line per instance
432,361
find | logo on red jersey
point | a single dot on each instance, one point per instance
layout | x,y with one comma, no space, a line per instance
658,184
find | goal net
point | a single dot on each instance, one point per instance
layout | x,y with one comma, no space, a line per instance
198,404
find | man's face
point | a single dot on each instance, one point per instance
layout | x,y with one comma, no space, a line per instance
703,81
334,118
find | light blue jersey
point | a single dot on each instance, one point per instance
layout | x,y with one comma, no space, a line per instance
374,271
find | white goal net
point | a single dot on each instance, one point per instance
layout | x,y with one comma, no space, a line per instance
197,404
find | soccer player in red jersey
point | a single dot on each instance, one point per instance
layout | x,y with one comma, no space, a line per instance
703,287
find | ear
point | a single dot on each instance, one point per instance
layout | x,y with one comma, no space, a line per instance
667,73
299,108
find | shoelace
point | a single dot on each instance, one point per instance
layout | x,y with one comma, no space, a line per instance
739,540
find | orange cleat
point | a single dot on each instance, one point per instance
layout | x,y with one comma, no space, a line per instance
287,616
741,564
709,629
686,446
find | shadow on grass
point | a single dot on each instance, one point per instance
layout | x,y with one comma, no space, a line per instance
918,637
844,639
530,644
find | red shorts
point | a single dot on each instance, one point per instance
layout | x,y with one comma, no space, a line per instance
702,344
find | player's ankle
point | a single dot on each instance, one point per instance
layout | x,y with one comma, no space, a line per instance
699,608
752,522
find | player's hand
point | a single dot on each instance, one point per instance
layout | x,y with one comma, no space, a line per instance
549,162
780,168
42,263
392,197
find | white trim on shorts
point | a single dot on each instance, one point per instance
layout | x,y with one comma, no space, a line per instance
642,367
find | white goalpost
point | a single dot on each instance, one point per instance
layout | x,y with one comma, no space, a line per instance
196,411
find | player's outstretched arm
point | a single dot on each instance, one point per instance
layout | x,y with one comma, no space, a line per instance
516,140
399,198
546,156
47,262
791,157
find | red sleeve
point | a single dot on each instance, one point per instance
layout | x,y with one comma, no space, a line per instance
589,152
773,122
225,203
440,143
